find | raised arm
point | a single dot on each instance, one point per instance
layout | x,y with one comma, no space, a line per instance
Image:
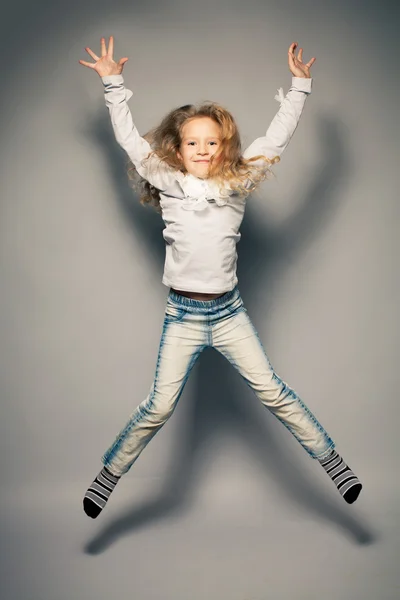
116,95
127,135
284,124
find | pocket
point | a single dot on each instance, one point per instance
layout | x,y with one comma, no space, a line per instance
174,314
237,307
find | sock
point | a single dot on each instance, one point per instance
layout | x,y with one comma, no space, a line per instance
346,482
98,493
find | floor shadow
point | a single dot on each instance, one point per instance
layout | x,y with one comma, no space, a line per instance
218,402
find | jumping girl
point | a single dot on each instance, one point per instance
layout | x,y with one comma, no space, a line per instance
192,170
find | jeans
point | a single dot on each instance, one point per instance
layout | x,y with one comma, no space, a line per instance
189,327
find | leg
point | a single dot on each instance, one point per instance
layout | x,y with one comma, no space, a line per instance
178,352
237,339
180,346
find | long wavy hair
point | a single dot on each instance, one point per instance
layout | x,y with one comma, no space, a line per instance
242,175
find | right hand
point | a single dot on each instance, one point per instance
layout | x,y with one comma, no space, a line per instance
105,65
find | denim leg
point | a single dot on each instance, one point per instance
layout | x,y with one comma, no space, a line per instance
237,340
180,346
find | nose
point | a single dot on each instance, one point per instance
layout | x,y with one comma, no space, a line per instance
202,150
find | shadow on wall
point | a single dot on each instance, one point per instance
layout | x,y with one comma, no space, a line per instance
218,403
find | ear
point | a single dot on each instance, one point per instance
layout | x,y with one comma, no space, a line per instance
179,155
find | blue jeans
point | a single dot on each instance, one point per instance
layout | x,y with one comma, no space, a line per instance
189,327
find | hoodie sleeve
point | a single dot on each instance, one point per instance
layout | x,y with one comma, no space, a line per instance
155,171
284,124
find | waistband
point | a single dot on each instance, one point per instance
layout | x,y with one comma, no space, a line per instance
220,302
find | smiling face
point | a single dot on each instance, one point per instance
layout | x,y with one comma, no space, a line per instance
201,138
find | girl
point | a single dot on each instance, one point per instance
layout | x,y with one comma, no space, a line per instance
192,170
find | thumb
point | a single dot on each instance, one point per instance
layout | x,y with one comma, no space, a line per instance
123,61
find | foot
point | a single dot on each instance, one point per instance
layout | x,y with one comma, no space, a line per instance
99,492
343,477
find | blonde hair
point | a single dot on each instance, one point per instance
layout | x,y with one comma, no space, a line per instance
242,175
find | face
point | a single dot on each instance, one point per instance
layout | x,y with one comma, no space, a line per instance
201,138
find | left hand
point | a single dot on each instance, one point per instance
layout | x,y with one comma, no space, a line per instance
296,65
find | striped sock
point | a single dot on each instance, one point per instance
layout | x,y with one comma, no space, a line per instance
98,493
346,482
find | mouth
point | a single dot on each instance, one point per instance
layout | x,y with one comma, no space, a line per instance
202,161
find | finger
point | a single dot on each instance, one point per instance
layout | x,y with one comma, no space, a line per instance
292,48
86,64
300,55
103,47
111,46
291,58
92,54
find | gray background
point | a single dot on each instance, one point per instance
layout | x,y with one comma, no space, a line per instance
224,503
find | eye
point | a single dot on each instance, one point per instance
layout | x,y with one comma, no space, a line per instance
213,143
191,143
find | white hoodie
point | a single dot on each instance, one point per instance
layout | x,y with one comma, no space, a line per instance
201,223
